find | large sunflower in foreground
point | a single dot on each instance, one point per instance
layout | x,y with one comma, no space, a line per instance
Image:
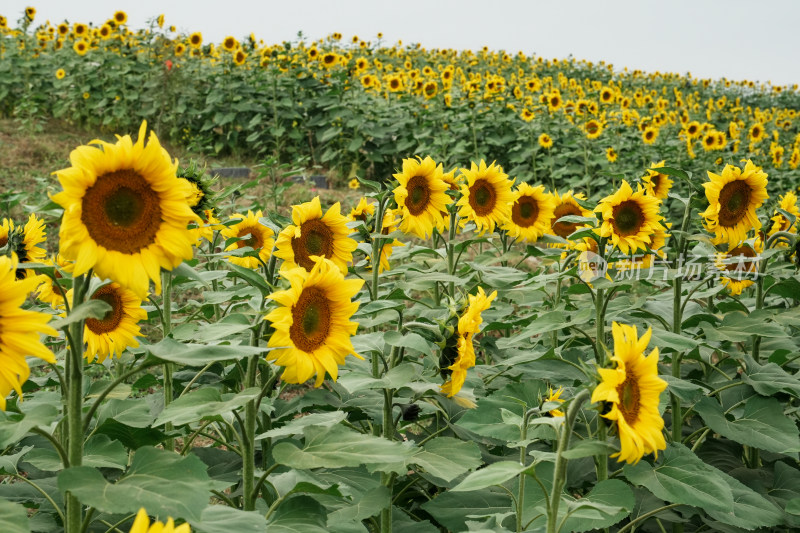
531,213
656,183
312,323
630,218
313,234
486,196
733,198
125,212
118,329
633,389
739,266
250,232
421,196
468,325
20,330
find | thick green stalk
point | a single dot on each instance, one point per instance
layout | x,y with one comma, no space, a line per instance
377,247
560,470
166,323
523,455
677,414
451,259
249,433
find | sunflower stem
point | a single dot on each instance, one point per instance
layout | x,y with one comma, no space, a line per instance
166,323
74,376
675,402
249,432
560,470
451,261
377,247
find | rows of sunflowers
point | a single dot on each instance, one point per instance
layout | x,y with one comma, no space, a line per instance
583,315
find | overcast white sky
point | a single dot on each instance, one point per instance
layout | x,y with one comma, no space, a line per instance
739,39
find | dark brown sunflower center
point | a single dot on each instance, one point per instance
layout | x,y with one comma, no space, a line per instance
311,320
592,127
3,240
482,197
315,239
649,134
734,199
565,229
655,180
737,259
113,317
419,194
254,239
121,211
628,405
525,211
627,218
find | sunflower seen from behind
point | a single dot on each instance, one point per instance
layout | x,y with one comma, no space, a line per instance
314,234
733,198
486,196
531,213
20,330
249,232
656,183
630,218
125,212
312,326
469,323
421,196
632,390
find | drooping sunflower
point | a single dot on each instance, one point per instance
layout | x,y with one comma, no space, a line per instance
21,328
421,196
733,198
656,183
468,325
141,524
531,213
250,232
630,218
312,323
125,212
567,205
633,389
118,329
739,266
313,234
486,196
788,203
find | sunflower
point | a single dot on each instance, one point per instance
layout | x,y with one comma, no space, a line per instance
633,389
196,39
468,325
649,135
739,266
353,184
656,183
486,196
249,232
554,397
142,524
313,234
421,196
312,323
531,213
47,291
757,132
430,89
567,205
788,203
81,47
611,154
20,329
692,129
125,212
545,141
391,220
362,210
120,17
239,57
630,218
60,73
526,115
229,44
6,228
30,13
593,129
733,198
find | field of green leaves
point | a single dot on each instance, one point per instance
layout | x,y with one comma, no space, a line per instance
584,314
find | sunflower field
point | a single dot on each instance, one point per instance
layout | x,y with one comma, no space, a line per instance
584,315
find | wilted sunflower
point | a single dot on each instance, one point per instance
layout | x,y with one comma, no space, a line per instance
312,323
733,198
421,196
486,196
468,325
20,329
249,232
739,266
313,234
630,218
125,212
531,213
788,203
656,183
633,389
142,524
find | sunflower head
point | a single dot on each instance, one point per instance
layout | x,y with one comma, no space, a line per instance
739,266
656,183
531,213
733,198
554,397
250,232
421,195
486,196
788,203
632,390
630,219
202,196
